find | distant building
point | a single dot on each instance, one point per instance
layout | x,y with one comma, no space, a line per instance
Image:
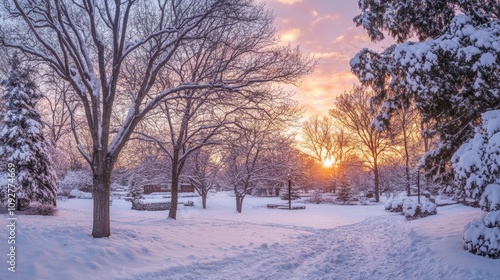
183,188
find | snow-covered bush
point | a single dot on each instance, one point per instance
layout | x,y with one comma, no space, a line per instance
79,194
482,235
41,209
364,201
395,205
410,207
319,198
316,198
150,206
79,179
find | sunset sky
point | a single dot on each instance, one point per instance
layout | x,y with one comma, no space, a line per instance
323,28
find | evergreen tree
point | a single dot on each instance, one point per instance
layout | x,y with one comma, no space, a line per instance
451,76
344,188
135,191
477,170
21,139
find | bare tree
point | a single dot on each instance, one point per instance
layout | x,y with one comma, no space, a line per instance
327,141
352,110
245,166
253,158
183,126
108,50
57,117
407,122
205,166
318,134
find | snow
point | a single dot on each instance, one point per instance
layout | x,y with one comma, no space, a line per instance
442,234
321,242
80,194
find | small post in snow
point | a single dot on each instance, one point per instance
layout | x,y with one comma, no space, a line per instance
418,185
289,192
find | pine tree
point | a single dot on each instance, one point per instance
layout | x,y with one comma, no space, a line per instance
135,191
477,170
21,139
344,189
450,75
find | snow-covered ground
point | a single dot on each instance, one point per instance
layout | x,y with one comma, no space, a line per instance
321,242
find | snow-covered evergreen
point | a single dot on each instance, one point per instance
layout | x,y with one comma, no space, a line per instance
476,162
477,169
450,76
135,190
21,138
344,189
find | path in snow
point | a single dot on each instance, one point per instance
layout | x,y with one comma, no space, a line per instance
378,248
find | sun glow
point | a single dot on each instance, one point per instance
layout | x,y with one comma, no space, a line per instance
329,162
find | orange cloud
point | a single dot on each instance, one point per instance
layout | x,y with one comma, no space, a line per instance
318,91
336,56
290,35
325,30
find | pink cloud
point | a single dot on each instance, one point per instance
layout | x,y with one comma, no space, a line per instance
289,2
325,30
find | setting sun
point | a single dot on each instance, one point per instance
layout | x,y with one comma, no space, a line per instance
329,162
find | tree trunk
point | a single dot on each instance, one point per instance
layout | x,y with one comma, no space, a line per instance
204,200
239,202
377,183
172,213
100,193
176,172
407,156
408,189
426,149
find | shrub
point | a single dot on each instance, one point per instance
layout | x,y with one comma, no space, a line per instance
482,235
364,201
411,209
285,196
150,206
395,205
41,209
79,194
80,180
316,198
